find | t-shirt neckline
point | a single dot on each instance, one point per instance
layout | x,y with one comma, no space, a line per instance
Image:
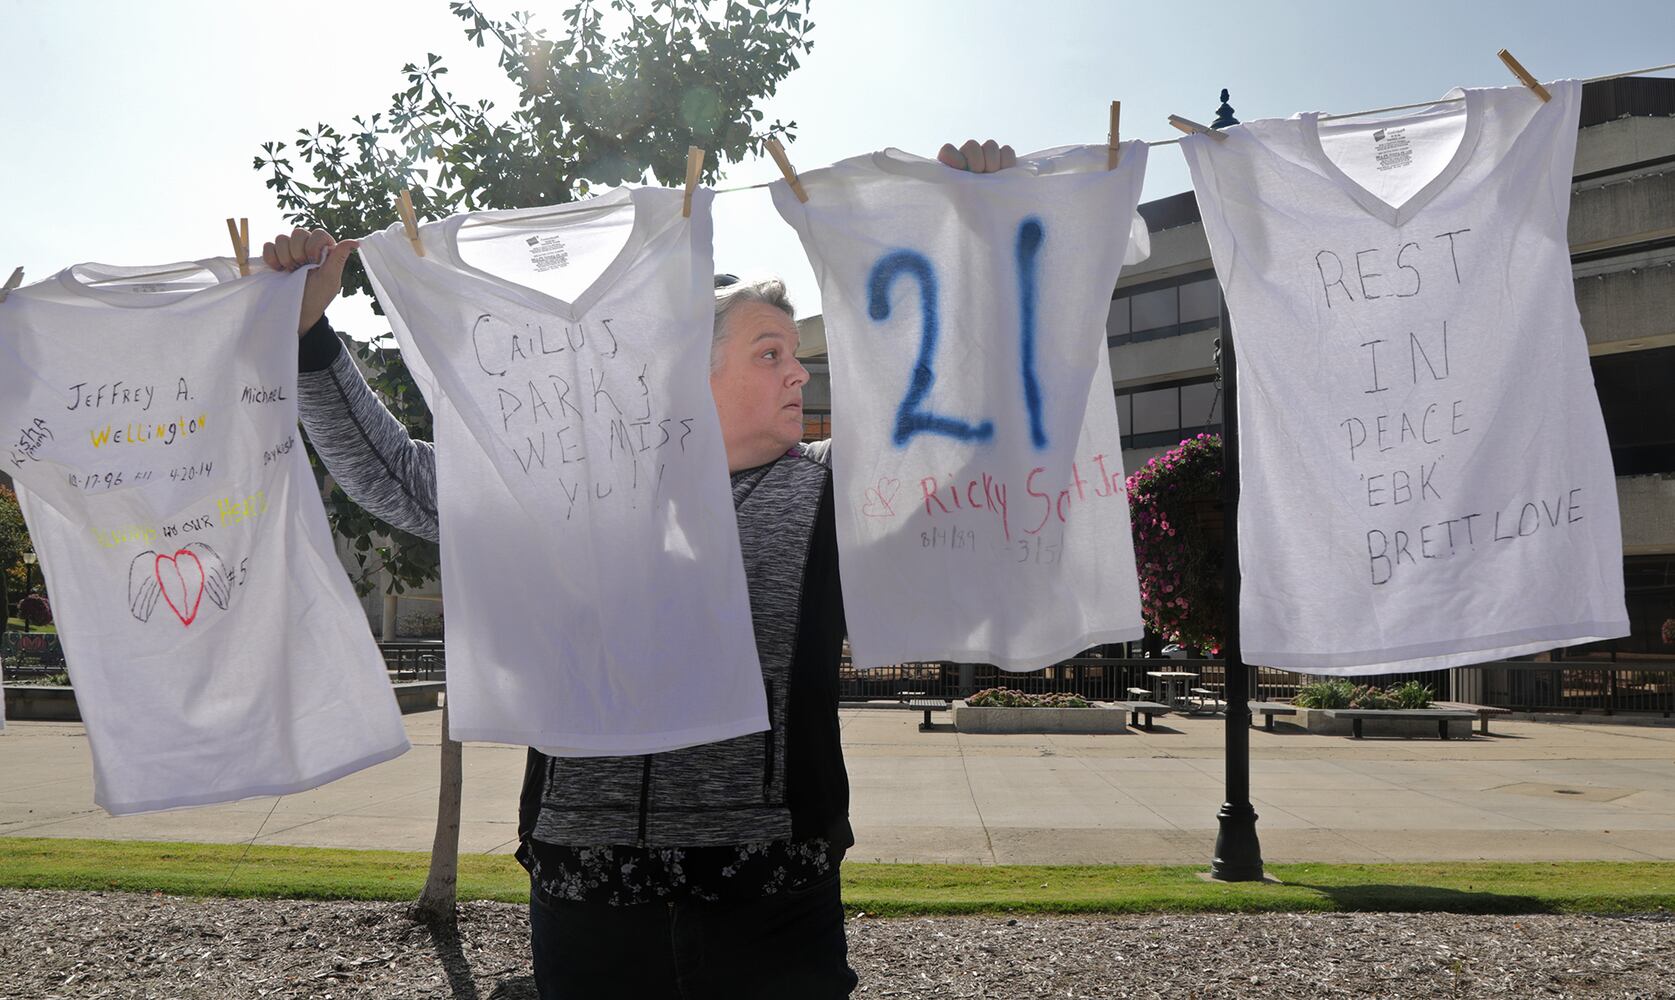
1398,215
572,310
1058,161
72,280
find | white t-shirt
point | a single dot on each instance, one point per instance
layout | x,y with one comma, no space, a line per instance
216,647
981,511
590,555
1425,476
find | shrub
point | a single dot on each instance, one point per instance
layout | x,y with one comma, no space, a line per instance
1412,694
1366,696
1008,698
1334,692
420,625
35,610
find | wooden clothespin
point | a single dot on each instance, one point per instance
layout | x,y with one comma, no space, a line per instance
410,221
1112,152
1189,126
15,280
777,151
240,233
1524,76
694,164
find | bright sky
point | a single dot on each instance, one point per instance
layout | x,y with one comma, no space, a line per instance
129,128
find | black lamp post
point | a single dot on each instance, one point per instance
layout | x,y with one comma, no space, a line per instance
29,559
1238,856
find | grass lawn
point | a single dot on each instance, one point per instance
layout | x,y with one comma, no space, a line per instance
881,890
18,625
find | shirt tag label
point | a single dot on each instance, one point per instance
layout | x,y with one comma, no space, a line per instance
547,253
1392,148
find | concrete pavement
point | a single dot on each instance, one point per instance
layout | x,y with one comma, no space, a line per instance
1539,790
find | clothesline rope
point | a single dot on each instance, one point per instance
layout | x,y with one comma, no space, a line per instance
1453,100
175,272
1347,114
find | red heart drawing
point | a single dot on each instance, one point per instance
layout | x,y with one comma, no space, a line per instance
878,498
188,589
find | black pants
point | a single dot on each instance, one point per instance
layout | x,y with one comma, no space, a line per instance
786,945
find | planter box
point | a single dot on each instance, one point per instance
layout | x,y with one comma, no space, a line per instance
1101,718
419,696
1315,721
41,703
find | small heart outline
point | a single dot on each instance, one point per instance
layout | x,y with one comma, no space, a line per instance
877,500
186,589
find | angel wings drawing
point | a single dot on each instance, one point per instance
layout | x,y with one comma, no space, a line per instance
181,580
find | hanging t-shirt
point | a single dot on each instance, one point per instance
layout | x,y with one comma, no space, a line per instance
1425,478
981,509
590,556
215,645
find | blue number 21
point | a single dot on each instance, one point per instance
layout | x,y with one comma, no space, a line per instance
911,417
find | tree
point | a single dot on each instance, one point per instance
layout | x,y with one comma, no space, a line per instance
620,95
592,110
14,542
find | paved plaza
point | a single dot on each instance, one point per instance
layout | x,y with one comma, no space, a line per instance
1555,789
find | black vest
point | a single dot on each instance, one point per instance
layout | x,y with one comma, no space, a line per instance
734,791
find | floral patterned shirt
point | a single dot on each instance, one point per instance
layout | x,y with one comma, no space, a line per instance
623,875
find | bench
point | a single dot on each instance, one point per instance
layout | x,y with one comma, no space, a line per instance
1135,709
418,696
1442,716
1483,712
1142,693
1269,709
927,705
1205,696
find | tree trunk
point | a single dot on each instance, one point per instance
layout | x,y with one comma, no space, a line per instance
436,902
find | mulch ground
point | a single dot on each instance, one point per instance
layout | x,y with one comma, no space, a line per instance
105,945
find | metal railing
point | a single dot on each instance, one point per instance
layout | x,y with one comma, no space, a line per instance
31,654
1274,684
1603,686
1564,686
415,659
1573,686
1098,678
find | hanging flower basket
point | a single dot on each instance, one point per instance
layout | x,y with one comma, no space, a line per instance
1208,515
1179,540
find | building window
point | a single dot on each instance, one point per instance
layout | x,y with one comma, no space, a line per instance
1154,310
1200,405
1649,594
1166,308
1156,410
1200,299
1639,409
1117,325
817,426
1154,416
